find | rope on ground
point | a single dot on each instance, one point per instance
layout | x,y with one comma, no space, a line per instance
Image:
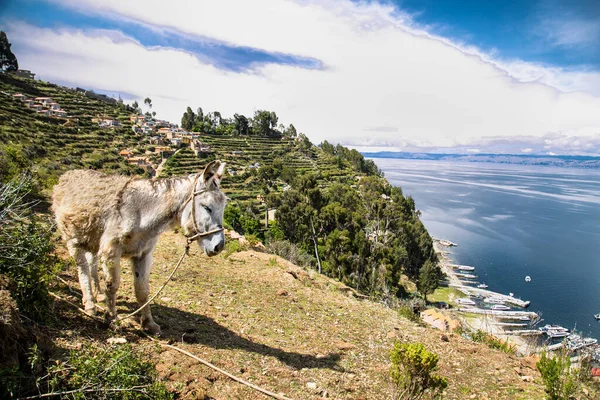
185,252
235,378
202,361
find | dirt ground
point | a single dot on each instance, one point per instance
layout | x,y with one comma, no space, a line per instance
288,330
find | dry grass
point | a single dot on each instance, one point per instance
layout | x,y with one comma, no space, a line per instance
281,327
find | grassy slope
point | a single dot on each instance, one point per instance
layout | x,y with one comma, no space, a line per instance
232,312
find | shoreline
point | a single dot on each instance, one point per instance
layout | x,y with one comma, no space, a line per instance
524,344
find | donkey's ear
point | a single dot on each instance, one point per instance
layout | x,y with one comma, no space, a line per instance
213,173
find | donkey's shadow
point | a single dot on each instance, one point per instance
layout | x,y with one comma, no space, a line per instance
182,326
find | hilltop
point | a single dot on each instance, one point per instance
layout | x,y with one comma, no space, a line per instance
289,330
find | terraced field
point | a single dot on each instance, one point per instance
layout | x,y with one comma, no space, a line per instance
243,154
57,144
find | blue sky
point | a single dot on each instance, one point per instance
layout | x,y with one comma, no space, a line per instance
426,75
527,30
524,30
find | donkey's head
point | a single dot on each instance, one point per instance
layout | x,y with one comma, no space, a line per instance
202,219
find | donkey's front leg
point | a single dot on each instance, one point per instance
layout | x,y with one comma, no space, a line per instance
111,266
141,282
83,270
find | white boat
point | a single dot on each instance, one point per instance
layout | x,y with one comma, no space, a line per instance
589,341
527,278
482,286
494,300
463,267
553,328
500,307
556,334
465,301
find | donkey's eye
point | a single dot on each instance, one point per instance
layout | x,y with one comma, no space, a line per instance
207,208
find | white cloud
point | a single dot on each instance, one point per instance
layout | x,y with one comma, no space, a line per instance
385,82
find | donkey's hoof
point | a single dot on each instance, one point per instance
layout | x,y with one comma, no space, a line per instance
151,327
90,309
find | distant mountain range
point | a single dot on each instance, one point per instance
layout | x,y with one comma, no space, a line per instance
521,159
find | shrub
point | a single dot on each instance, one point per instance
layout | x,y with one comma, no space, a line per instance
113,372
407,311
26,249
492,342
231,247
290,252
559,382
411,371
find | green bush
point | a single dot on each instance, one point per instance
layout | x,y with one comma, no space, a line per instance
291,252
26,249
112,372
560,383
492,342
411,371
407,311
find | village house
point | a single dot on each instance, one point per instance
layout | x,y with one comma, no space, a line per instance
126,153
199,148
19,96
164,130
176,141
439,320
45,101
109,123
139,161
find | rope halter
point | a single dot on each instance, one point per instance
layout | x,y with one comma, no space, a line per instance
198,234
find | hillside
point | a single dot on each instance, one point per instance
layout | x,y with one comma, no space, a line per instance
284,328
55,144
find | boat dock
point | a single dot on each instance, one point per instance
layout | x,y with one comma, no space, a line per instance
462,267
527,332
552,347
446,243
530,314
474,291
467,276
510,324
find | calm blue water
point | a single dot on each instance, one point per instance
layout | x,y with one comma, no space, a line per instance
511,221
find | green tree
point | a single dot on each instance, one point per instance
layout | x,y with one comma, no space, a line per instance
148,102
241,124
188,120
429,278
8,61
264,123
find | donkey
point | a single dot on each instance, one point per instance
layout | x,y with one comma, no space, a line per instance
107,217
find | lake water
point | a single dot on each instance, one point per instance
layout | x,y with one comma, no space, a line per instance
510,221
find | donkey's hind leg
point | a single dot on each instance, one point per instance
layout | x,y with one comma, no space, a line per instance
111,266
92,260
141,282
83,271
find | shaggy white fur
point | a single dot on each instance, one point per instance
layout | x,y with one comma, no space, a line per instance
106,217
